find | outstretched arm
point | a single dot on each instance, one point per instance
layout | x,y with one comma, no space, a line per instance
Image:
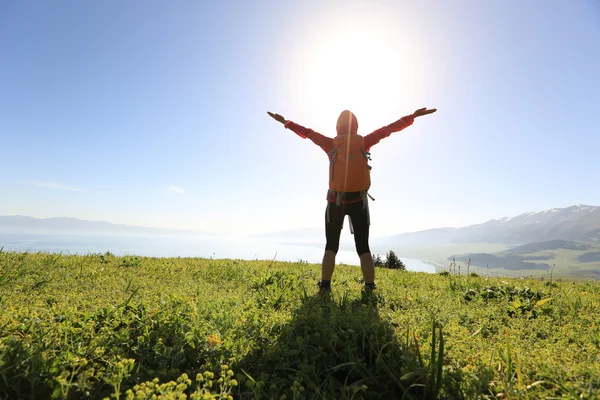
322,141
374,137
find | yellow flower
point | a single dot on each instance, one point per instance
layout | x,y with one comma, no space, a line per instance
213,341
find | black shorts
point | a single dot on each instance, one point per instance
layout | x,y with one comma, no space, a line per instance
358,213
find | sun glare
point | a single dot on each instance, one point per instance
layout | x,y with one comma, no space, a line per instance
359,69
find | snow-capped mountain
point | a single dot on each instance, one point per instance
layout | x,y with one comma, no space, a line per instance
580,223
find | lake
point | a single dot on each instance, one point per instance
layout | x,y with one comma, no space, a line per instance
180,246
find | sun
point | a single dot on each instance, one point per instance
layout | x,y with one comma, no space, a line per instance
358,68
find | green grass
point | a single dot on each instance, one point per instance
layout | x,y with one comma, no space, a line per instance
100,326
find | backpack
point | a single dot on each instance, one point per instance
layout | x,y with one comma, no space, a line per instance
349,170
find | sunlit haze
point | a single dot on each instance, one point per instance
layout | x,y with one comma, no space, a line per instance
155,113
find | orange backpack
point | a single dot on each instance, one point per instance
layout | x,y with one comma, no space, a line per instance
349,170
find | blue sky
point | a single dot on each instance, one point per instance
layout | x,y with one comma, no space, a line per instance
154,113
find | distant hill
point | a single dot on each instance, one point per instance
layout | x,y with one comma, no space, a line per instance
527,257
548,245
500,260
22,224
579,223
592,256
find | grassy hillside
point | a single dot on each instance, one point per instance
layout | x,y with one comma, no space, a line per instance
558,257
100,326
568,262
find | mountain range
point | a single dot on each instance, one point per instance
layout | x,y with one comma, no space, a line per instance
566,237
579,223
22,224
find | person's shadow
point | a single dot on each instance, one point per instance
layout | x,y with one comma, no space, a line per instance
336,348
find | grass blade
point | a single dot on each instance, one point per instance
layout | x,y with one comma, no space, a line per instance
440,363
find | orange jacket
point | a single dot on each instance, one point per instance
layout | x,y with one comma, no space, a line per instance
348,124
326,143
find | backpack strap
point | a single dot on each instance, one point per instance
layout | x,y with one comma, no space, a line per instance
367,156
365,198
332,159
338,198
338,201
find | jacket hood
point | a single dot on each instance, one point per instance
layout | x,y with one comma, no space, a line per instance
347,123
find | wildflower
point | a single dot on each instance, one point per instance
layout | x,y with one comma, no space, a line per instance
213,341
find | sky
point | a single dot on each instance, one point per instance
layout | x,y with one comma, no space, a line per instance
154,113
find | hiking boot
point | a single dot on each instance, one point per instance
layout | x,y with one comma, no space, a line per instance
368,295
370,286
324,288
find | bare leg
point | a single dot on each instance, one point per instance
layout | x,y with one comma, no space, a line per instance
367,267
328,265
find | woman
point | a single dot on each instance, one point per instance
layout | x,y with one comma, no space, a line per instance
349,181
